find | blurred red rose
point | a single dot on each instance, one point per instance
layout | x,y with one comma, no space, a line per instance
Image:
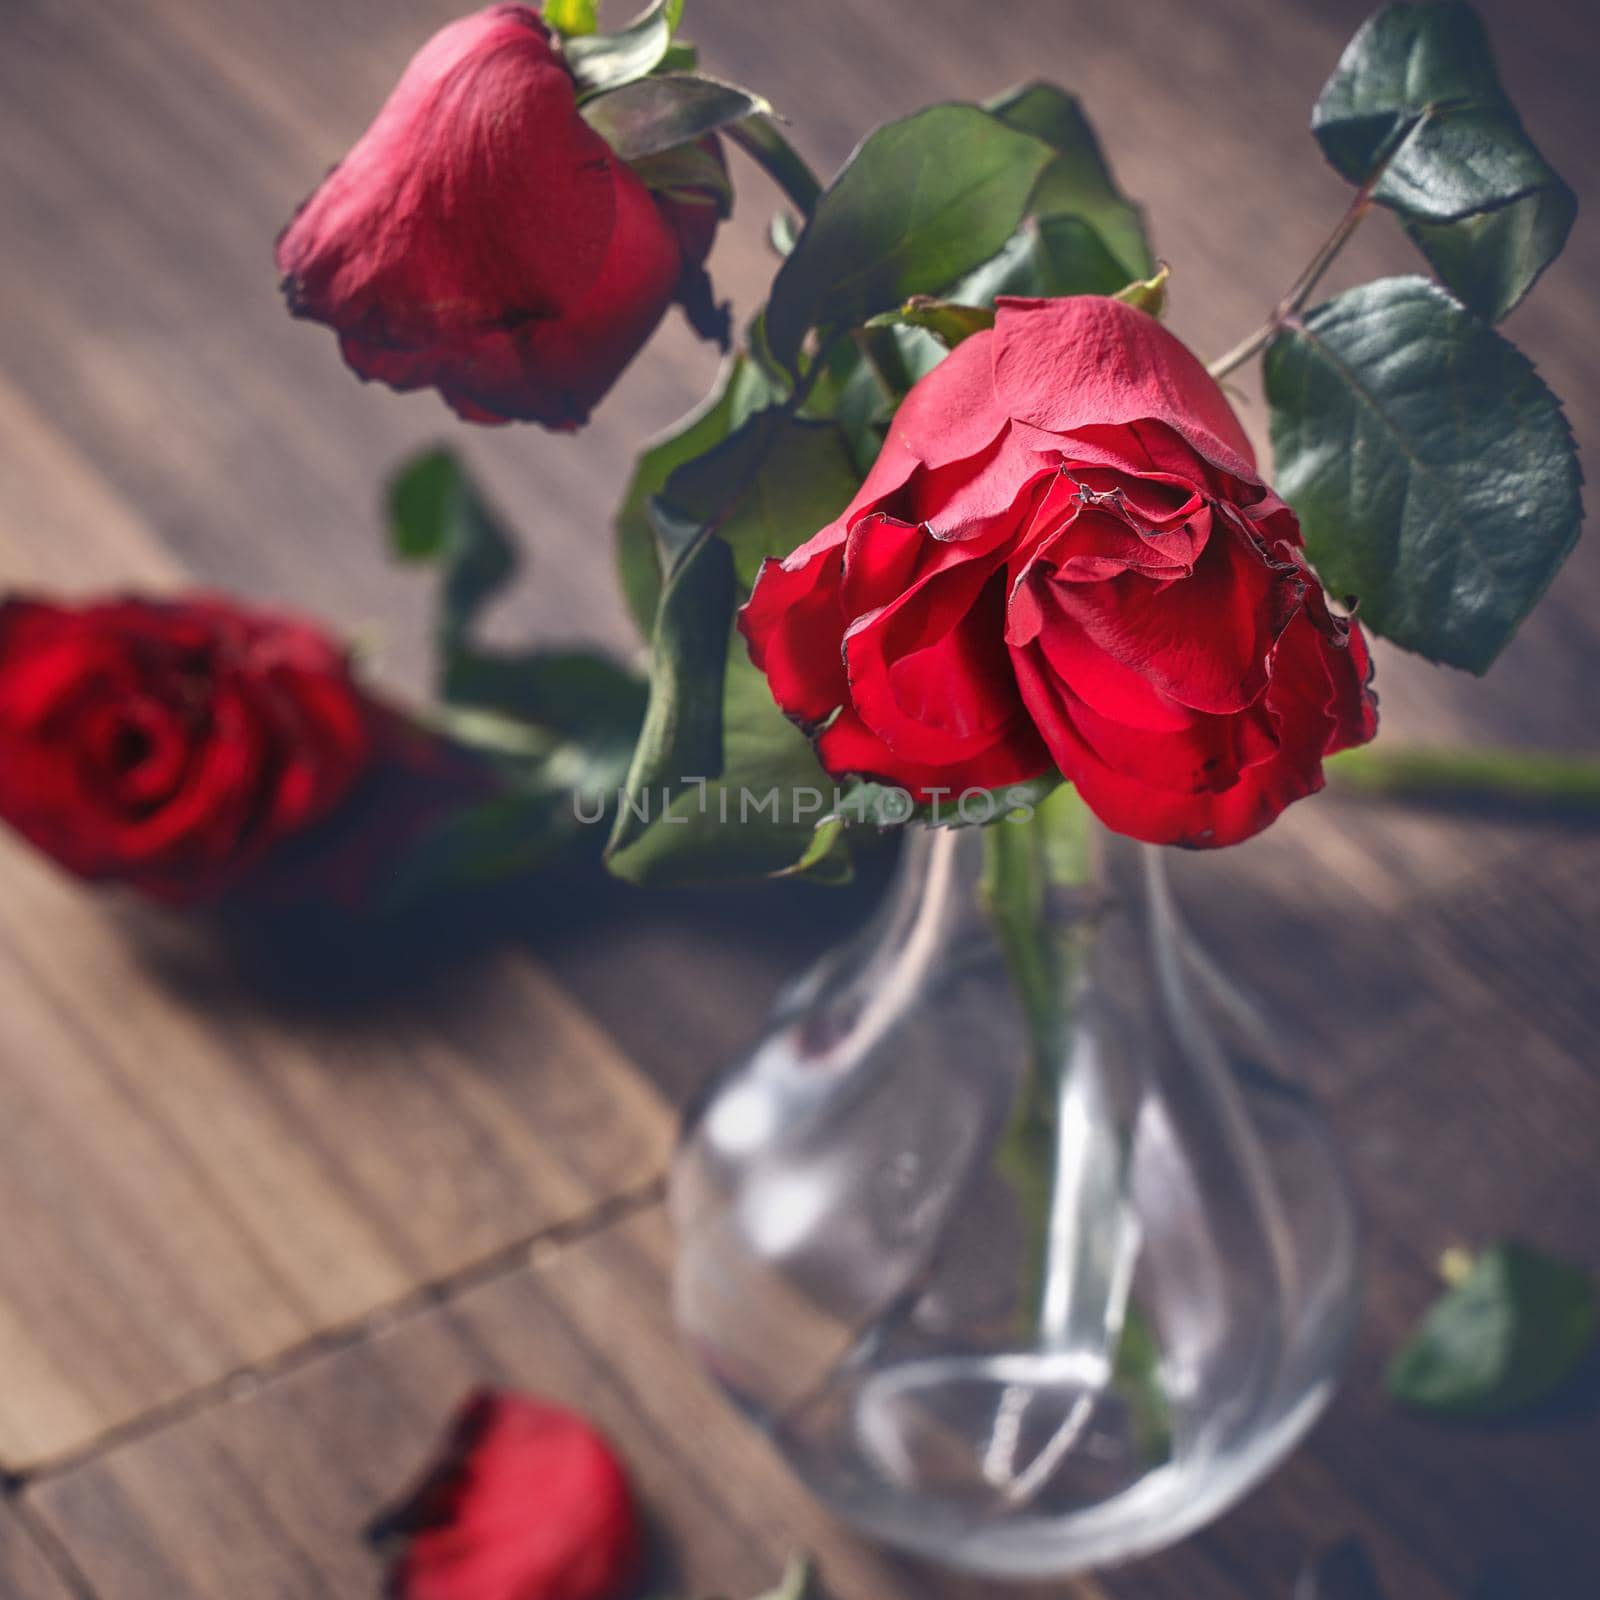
527,1502
481,237
172,745
1064,556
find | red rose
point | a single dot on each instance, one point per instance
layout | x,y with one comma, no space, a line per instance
172,745
527,1503
1064,555
483,238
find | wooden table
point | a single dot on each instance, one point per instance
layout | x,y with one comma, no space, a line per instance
266,1216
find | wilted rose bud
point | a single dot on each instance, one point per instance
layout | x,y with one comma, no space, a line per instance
481,237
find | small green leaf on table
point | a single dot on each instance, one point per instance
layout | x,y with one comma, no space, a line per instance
1509,1334
1416,93
650,115
602,61
1433,472
948,322
921,202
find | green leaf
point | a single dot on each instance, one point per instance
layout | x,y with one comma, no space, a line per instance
1045,258
1433,472
687,172
682,735
742,391
436,515
758,814
605,61
1510,1334
948,322
715,744
1078,184
761,139
574,692
573,18
1417,88
766,488
1149,294
921,202
654,114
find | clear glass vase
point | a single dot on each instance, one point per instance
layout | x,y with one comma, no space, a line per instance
1012,1231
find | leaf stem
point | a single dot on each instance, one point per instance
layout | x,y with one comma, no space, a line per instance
1316,269
1301,290
760,138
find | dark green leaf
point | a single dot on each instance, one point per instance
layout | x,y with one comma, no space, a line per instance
681,56
687,172
1417,88
760,814
761,139
1511,1333
573,18
573,692
682,735
437,515
766,489
654,114
921,201
1046,258
762,491
948,322
1433,472
1078,184
1344,1572
605,61
741,392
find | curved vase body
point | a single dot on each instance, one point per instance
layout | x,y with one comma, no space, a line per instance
1023,1308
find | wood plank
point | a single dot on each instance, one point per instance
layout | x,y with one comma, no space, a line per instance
26,1572
267,1494
215,1172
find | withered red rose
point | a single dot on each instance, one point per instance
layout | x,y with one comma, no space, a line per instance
526,1502
1065,557
482,238
173,745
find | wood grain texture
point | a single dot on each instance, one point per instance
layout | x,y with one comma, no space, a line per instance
26,1572
220,1156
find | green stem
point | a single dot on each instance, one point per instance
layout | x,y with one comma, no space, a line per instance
1024,861
1316,269
759,138
1441,773
1300,291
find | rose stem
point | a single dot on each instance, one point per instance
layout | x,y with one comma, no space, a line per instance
1424,772
1302,287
